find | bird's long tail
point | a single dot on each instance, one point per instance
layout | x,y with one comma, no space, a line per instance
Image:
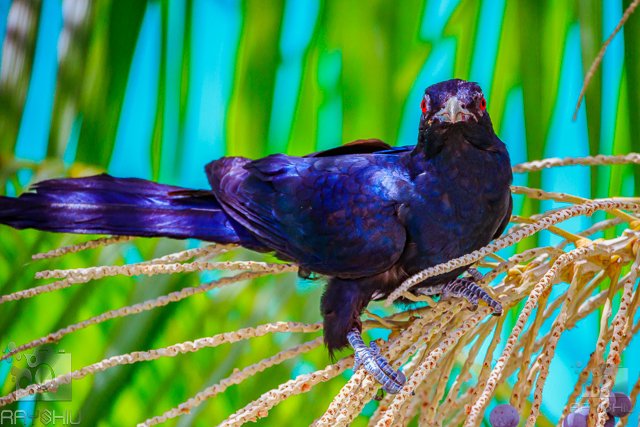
103,204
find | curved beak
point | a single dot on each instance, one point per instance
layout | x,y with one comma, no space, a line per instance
453,112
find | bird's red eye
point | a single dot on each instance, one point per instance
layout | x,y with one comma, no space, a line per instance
423,106
483,104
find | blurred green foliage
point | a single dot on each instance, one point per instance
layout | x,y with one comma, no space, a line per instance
351,70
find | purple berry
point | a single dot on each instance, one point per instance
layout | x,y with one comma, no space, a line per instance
504,416
577,418
619,405
583,410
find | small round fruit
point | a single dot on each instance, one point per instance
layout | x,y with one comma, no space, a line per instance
619,405
504,416
577,418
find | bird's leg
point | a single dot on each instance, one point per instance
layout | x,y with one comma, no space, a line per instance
342,305
374,362
467,288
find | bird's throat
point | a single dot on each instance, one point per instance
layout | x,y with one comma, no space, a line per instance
436,138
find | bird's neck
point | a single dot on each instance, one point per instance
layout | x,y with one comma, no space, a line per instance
461,150
433,138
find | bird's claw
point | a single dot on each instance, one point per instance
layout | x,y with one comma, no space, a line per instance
374,351
475,274
467,288
373,362
472,292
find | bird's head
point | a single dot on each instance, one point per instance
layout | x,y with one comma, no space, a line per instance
455,110
451,102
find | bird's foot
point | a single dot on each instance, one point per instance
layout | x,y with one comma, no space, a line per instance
467,288
374,362
472,292
475,274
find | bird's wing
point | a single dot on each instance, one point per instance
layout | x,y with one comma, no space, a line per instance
361,146
334,215
505,220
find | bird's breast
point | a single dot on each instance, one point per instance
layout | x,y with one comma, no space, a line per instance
460,210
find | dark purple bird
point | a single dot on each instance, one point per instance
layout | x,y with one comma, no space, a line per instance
366,215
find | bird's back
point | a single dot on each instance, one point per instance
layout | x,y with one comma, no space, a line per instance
335,215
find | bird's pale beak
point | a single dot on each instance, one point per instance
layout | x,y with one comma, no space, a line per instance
453,112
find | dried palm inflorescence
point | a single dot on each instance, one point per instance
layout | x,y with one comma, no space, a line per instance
427,342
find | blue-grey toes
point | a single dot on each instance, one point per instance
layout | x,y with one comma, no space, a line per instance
371,359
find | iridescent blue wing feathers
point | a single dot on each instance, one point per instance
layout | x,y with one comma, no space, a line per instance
334,215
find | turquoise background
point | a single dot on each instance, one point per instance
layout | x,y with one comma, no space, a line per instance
165,86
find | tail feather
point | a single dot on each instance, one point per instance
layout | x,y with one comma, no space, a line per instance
103,204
